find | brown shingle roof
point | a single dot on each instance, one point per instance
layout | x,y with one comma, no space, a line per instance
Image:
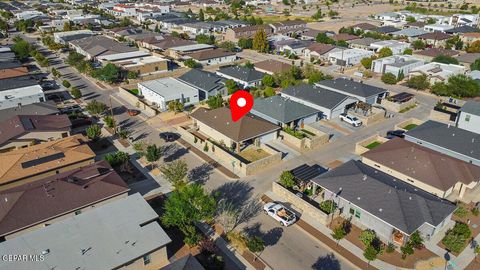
210,54
251,28
26,205
16,164
21,124
364,26
435,36
425,165
273,66
433,52
320,48
13,72
345,37
220,119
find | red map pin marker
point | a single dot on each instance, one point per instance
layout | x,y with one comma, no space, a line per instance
241,102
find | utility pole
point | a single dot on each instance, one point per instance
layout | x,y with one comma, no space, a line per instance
111,114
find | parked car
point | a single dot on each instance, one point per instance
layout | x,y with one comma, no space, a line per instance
395,133
71,109
352,120
133,112
48,85
280,213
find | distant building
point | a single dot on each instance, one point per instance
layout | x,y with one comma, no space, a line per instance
356,89
437,27
437,72
213,57
468,117
96,46
121,234
243,76
396,47
65,37
272,66
245,32
396,64
140,62
348,57
19,91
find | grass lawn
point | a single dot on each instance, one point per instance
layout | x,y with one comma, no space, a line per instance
410,126
252,154
373,145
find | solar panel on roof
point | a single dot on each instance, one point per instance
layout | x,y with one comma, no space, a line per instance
38,161
306,173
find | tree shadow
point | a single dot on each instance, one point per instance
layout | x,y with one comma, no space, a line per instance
270,237
119,110
142,136
92,97
200,174
178,153
127,123
327,262
236,193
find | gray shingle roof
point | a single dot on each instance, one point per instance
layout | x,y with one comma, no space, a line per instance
391,200
40,108
203,80
282,109
385,29
187,262
462,29
449,137
109,236
351,87
472,107
242,73
17,82
319,96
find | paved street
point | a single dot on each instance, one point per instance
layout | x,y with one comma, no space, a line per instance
287,248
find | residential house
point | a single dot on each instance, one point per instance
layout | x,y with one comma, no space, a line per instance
58,197
396,64
469,38
410,33
19,91
471,20
331,104
289,28
344,37
437,27
429,54
197,28
243,76
139,62
467,59
187,262
12,70
311,34
427,169
348,57
361,91
385,29
245,32
213,57
161,91
437,72
362,43
35,162
415,25
468,117
435,39
272,66
96,46
208,84
318,52
275,41
447,139
378,201
295,47
181,51
217,124
23,130
65,37
164,43
40,108
123,234
461,30
284,112
397,47
365,27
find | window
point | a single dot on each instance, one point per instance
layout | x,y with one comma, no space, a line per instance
78,212
187,100
357,214
352,211
146,259
156,68
467,118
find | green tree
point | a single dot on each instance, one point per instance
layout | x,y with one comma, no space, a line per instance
3,26
231,86
109,73
445,59
175,172
367,237
215,102
152,154
370,253
474,47
22,49
287,179
408,51
389,78
367,62
475,65
205,39
323,38
260,42
227,45
55,73
410,19
416,240
269,91
95,107
418,45
249,65
201,15
132,75
192,63
187,206
109,121
74,58
256,245
385,52
268,80
315,77
419,82
245,43
94,132
318,15
67,26
66,84
341,43
339,233
458,86
76,93
175,106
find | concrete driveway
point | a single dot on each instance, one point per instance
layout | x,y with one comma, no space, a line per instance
288,152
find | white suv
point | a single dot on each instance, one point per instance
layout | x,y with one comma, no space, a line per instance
352,120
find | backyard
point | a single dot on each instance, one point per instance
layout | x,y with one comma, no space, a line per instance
253,154
373,145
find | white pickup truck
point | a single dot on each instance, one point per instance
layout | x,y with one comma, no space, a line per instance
352,120
280,213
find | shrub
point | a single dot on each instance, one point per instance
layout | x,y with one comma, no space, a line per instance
328,206
205,148
109,121
367,237
76,93
416,240
66,83
94,132
461,212
475,211
457,237
389,78
406,250
287,180
237,240
117,158
390,248
418,82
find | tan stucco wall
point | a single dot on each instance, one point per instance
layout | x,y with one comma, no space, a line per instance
214,134
149,68
64,216
158,259
25,140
